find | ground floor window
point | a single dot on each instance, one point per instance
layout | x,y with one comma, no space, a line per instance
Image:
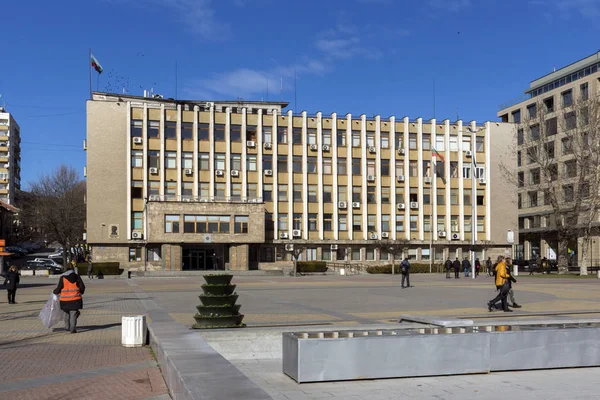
370,253
311,254
341,254
412,254
384,255
356,254
326,254
425,254
267,254
135,254
153,253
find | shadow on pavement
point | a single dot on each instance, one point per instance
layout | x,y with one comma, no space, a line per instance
85,328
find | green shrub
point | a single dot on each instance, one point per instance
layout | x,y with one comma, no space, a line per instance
387,269
311,266
107,268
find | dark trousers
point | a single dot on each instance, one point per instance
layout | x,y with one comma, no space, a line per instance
11,296
71,320
448,273
456,272
502,294
407,277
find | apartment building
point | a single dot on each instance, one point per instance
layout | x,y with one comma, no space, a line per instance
189,185
548,111
10,157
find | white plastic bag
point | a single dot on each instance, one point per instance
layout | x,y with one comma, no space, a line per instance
51,314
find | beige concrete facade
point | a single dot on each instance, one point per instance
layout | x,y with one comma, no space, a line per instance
177,185
10,157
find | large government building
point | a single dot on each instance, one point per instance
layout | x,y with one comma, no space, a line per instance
193,185
10,157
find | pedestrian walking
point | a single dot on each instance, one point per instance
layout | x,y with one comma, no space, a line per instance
477,267
448,266
488,266
502,277
456,267
466,265
511,293
90,271
405,270
71,289
11,282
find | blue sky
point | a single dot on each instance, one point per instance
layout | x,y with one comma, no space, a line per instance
359,56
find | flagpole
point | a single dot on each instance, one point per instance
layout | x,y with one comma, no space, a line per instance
90,68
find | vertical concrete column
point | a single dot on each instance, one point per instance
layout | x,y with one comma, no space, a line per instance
128,172
488,186
448,181
433,185
244,138
320,175
259,153
393,152
228,152
178,159
211,146
461,184
334,171
238,257
378,177
195,161
304,180
275,172
420,178
363,184
350,215
405,141
290,196
161,158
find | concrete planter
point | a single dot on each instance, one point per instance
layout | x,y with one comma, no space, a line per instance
218,309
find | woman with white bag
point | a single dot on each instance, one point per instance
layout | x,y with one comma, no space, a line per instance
70,288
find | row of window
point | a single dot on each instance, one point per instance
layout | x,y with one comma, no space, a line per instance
569,170
235,135
569,193
311,165
205,223
235,193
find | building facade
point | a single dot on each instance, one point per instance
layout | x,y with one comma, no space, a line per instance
193,185
549,112
10,157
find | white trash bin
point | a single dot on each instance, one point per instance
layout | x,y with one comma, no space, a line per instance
515,270
133,331
599,274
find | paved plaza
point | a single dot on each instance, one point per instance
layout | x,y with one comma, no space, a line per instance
39,363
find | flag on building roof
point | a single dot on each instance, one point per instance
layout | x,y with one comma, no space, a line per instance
96,64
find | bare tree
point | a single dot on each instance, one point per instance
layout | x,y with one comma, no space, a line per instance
58,205
295,250
396,247
569,180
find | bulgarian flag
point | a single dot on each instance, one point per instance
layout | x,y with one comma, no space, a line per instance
439,166
436,154
96,64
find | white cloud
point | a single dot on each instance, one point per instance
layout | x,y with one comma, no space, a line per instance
449,5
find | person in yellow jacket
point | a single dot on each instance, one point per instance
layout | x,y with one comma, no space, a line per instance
502,278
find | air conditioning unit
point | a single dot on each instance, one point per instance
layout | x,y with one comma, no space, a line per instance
136,235
427,179
137,140
385,235
188,171
153,170
326,147
342,205
482,181
235,172
414,205
268,146
442,234
289,247
401,206
268,172
372,149
401,151
251,143
186,200
283,235
371,178
468,153
219,172
296,233
355,204
314,147
455,236
373,236
400,178
334,247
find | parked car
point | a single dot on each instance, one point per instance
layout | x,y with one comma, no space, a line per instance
56,267
58,254
43,265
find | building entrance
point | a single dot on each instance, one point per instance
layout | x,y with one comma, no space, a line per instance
199,259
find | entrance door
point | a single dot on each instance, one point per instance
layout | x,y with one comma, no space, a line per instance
194,260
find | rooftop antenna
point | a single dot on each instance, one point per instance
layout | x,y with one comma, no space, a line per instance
281,90
175,79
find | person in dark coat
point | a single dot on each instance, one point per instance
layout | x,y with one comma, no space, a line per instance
477,267
466,264
448,266
71,289
11,282
405,270
456,267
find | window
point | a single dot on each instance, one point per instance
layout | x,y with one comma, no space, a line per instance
267,161
583,90
441,197
425,254
219,132
327,193
297,193
534,131
567,98
467,194
356,253
371,227
549,104
282,164
203,130
399,140
399,168
399,195
567,145
426,223
341,166
519,162
171,223
240,224
327,169
326,134
479,172
551,127
520,136
235,133
153,159
252,190
137,219
356,166
297,163
268,192
170,130
220,161
341,137
384,140
371,166
412,254
312,194
153,253
533,199
342,193
137,159
170,190
327,222
568,192
453,143
414,194
135,254
187,189
297,135
571,169
219,191
426,140
311,165
269,224
187,160
325,254
479,144
297,221
370,253
427,195
480,224
516,116
282,134
282,223
251,162
399,222
153,188
371,199
549,148
385,167
385,222
356,193
466,143
441,224
355,138
454,224
412,141
187,130
236,191
311,135
480,197
171,159
521,179
532,110
236,162
153,129
520,201
467,221
282,192
267,132
453,169
454,197
204,190
385,194
531,155
414,224
216,224
466,171
356,223
137,128
370,138
313,225
440,143
427,168
570,120
203,161
342,222
251,132
413,169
